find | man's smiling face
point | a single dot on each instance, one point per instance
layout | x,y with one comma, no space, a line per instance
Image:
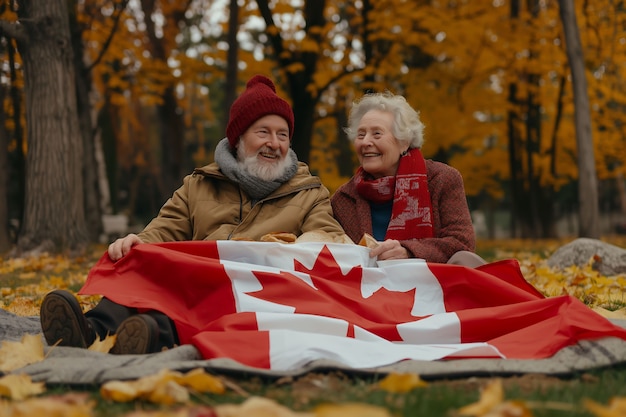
263,147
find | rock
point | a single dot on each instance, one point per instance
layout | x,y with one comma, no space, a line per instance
607,259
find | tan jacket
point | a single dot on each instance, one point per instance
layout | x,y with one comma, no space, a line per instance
209,206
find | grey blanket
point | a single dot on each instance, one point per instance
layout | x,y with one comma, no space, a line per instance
65,365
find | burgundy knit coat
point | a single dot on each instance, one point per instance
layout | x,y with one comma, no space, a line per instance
452,223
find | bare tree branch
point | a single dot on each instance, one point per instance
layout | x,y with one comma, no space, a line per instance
116,20
275,38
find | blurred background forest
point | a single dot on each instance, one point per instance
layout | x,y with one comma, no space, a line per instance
145,87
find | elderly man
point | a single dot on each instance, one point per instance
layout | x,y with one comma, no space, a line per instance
256,186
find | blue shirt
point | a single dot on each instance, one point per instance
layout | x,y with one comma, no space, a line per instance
381,214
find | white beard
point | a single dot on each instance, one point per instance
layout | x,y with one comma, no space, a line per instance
267,171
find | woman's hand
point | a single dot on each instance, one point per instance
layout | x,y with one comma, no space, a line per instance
389,249
123,245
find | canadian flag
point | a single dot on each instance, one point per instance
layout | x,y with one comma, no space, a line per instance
279,306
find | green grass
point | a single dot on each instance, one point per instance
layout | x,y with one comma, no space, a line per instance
545,396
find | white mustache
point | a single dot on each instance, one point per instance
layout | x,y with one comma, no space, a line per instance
269,151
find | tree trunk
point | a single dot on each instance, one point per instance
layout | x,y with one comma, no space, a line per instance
512,119
5,241
106,137
54,216
303,111
533,138
346,156
303,101
587,177
515,170
172,142
17,158
172,125
621,188
91,185
232,58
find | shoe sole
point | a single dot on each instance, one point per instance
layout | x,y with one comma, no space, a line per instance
135,336
60,321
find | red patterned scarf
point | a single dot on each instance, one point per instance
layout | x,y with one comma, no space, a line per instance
411,213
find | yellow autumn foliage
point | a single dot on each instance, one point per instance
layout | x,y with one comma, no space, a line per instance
166,387
19,387
69,405
14,355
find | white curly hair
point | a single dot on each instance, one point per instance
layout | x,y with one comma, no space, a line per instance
407,126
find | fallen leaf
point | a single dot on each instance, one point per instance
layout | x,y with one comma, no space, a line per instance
401,383
105,345
168,393
350,410
71,405
199,411
14,355
492,395
28,275
617,314
258,407
23,306
616,408
200,381
509,409
119,391
18,387
165,387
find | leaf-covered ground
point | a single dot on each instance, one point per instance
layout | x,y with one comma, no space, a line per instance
24,282
603,293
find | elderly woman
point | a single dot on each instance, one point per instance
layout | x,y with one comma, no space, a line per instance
415,208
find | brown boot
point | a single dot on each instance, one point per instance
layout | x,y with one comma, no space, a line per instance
62,321
136,335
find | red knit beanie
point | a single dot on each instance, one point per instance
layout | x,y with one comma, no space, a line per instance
258,100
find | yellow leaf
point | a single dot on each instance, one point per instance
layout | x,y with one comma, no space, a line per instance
257,407
198,380
492,395
295,67
165,387
168,393
14,355
22,306
181,412
19,387
616,408
272,30
400,383
617,314
70,405
104,345
509,409
118,391
350,410
309,45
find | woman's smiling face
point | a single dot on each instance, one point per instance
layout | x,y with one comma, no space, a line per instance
376,147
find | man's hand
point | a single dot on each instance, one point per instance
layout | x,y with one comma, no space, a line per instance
389,249
123,245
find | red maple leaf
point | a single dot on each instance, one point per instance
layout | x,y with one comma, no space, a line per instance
338,296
